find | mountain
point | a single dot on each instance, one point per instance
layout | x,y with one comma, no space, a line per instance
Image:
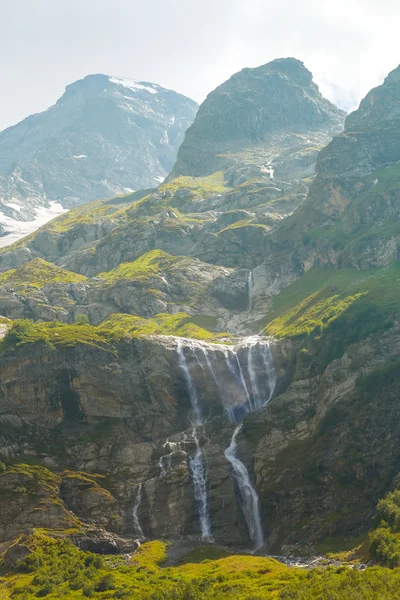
216,361
104,136
270,115
223,218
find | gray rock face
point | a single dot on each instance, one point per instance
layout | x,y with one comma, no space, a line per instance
104,136
118,413
261,108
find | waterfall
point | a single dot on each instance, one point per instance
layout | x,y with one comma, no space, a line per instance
197,463
252,374
261,398
171,448
194,401
250,289
253,377
199,476
235,368
136,522
248,498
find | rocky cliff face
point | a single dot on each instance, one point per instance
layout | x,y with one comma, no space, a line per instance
350,216
129,414
104,136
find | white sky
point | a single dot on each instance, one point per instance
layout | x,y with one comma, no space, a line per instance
190,45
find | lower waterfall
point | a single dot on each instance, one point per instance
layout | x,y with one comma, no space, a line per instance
248,498
199,476
136,522
250,290
197,463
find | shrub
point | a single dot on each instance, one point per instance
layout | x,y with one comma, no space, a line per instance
107,582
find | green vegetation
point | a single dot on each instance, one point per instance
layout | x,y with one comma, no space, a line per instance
179,324
384,376
242,225
147,266
315,313
55,568
53,334
35,478
37,273
342,583
237,224
112,330
91,212
385,540
201,187
346,306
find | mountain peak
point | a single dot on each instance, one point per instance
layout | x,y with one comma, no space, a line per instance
105,136
97,84
381,105
278,99
291,67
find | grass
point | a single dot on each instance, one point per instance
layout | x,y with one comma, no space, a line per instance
201,187
107,334
35,477
243,224
55,569
37,273
315,313
325,300
179,324
147,266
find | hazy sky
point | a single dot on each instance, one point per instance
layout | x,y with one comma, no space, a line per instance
190,45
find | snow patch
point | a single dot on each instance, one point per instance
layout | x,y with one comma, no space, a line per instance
13,206
135,85
19,229
268,170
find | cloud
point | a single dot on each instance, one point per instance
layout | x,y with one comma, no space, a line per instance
190,45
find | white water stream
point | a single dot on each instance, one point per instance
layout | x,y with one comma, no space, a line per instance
248,497
197,463
136,522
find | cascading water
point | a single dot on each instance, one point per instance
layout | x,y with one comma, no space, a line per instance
197,463
199,476
136,522
248,498
250,290
171,448
194,401
250,385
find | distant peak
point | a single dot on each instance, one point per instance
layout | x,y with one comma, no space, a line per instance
394,76
291,67
134,85
96,83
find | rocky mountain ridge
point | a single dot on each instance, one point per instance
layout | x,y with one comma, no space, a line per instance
104,136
